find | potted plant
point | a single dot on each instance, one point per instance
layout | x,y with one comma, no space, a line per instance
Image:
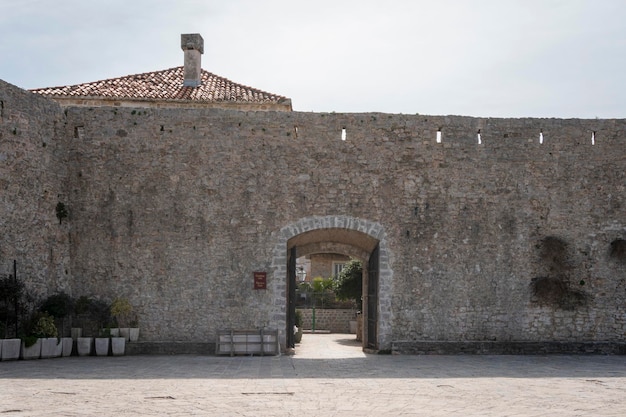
84,346
31,347
82,309
82,312
100,314
46,330
102,343
133,331
60,306
39,332
121,310
118,345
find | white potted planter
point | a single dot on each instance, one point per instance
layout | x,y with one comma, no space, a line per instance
31,352
352,326
67,344
134,334
76,332
125,333
11,349
84,346
51,347
118,346
102,346
115,332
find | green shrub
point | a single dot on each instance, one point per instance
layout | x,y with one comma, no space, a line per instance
83,305
122,310
58,305
45,326
39,325
350,282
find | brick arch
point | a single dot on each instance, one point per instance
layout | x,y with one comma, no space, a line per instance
363,235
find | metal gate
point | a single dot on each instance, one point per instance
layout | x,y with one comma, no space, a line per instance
291,297
372,299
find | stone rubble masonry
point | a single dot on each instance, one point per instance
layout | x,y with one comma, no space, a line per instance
332,320
33,178
176,208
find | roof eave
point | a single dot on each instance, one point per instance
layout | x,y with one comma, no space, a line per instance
98,101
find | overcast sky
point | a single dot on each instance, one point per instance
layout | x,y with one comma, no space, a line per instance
498,58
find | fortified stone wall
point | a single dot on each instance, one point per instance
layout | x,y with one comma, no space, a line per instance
175,209
33,167
178,208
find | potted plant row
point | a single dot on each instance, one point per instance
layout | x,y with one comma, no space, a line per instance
40,339
96,318
31,330
122,311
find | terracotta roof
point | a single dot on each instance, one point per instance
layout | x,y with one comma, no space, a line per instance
165,85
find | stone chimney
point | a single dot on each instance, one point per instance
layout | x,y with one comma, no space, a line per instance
193,45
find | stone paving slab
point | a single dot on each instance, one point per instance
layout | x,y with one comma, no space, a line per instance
329,375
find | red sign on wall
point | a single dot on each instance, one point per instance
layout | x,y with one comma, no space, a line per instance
260,280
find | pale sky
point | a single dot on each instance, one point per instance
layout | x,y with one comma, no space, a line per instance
487,58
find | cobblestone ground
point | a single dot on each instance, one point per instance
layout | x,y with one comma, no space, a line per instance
328,376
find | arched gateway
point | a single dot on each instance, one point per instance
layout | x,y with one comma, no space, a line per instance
351,236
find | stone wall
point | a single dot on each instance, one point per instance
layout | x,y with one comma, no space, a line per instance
178,208
33,166
334,321
175,209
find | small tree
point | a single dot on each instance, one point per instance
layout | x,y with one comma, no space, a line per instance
59,305
323,290
320,285
101,315
350,282
94,314
122,310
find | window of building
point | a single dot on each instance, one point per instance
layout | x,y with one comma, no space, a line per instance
337,268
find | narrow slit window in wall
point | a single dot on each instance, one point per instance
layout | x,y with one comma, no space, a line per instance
593,138
295,130
541,137
343,133
79,132
478,136
439,136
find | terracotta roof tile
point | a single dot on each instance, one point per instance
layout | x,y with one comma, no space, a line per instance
165,85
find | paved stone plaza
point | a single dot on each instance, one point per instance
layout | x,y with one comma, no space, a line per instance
328,376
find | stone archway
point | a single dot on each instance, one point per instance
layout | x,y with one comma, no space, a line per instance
355,236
